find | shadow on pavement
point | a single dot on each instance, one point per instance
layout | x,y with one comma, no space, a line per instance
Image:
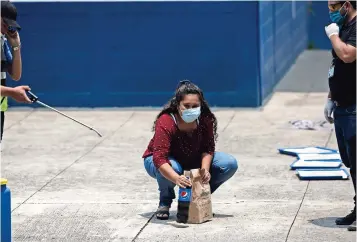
172,219
328,222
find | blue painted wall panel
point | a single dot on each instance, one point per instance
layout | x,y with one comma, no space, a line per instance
282,37
299,29
134,53
267,50
318,19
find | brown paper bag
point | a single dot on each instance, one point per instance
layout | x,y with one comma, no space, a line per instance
200,209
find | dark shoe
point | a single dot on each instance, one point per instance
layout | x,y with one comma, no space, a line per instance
348,220
163,213
352,227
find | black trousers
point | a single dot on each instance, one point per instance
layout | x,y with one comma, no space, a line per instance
345,126
2,124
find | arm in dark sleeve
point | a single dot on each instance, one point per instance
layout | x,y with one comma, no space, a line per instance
345,49
208,145
162,142
352,38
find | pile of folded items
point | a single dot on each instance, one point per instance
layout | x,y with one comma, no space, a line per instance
316,163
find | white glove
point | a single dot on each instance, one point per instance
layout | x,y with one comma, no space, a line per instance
332,29
329,107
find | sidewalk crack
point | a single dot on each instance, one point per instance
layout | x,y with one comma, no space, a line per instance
303,197
142,228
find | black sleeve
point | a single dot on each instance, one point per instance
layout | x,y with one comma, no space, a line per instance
352,36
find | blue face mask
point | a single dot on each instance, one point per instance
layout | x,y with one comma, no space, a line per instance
190,115
337,18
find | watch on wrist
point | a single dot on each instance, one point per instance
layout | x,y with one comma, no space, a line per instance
16,48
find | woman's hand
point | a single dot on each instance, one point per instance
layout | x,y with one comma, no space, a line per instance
14,39
206,176
183,182
170,174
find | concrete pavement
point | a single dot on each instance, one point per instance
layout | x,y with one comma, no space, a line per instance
70,185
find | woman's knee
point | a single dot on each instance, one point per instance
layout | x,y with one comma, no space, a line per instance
232,163
149,166
227,162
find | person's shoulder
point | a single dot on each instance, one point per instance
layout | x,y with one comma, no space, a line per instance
166,117
166,121
351,26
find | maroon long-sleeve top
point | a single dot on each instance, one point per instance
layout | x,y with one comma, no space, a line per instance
186,149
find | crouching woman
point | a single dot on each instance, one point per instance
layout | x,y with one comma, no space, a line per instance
184,138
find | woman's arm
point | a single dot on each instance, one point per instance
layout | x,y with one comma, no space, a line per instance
14,57
162,144
168,172
206,161
6,91
18,93
15,68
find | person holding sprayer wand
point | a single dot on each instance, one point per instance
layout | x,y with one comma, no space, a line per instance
11,62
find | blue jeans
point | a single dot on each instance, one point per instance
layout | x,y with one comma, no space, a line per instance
345,126
223,167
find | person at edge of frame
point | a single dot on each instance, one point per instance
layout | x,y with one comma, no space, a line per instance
10,51
185,132
340,107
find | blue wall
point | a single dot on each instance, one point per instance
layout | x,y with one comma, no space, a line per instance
283,36
318,19
134,53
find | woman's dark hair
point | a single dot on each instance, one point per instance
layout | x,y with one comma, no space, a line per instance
186,87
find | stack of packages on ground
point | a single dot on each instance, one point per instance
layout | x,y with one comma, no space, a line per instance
316,163
194,203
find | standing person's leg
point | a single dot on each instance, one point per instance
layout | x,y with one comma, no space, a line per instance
166,187
352,154
222,169
345,126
